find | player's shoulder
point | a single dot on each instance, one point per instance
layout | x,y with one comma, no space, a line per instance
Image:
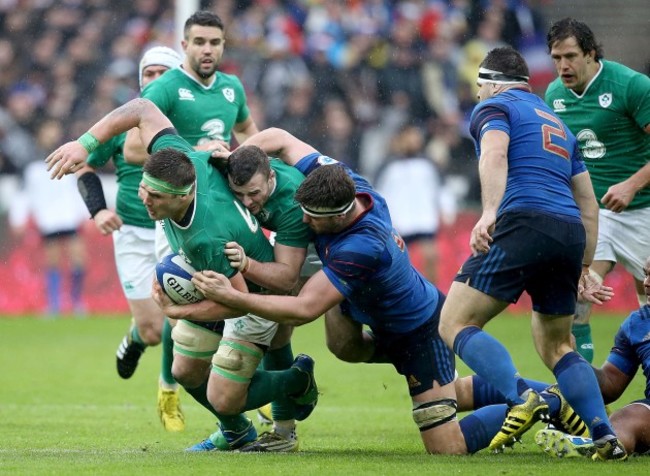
228,78
614,71
166,81
555,89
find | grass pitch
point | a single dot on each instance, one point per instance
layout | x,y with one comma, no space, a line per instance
64,410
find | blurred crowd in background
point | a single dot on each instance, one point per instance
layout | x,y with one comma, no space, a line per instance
345,76
386,86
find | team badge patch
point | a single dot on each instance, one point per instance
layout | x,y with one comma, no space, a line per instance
229,94
324,160
605,99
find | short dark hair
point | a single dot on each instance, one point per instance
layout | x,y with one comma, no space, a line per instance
203,18
245,162
568,27
172,166
506,60
329,186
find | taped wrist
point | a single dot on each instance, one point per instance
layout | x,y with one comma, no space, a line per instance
89,142
90,188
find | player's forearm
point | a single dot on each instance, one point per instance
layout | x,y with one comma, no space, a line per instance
493,172
276,277
583,194
281,309
640,179
138,112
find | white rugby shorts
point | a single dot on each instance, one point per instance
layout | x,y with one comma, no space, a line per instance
624,238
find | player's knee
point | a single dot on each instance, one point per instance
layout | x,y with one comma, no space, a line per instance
190,373
346,350
447,332
432,414
236,362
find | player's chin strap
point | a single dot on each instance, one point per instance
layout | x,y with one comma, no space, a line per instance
486,75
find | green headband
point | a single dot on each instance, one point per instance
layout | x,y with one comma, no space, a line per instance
165,187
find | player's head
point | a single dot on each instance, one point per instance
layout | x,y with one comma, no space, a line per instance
571,28
575,52
167,184
501,69
204,41
156,61
327,198
250,177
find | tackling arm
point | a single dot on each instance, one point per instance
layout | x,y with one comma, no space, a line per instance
205,310
317,296
280,275
279,143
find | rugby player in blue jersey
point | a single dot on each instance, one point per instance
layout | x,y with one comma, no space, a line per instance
630,352
367,279
537,233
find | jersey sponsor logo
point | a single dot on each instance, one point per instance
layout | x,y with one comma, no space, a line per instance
590,146
185,94
605,100
214,130
229,94
558,105
325,160
248,218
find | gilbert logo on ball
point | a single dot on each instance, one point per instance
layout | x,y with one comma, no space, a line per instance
174,275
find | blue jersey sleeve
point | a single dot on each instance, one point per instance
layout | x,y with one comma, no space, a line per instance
623,355
489,117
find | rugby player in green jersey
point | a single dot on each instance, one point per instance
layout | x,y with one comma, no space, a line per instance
266,187
134,244
206,106
607,107
201,215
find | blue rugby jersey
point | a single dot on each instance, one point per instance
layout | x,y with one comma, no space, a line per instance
543,154
369,264
632,346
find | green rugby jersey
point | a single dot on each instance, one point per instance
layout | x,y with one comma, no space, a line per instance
128,205
281,213
199,113
608,121
217,218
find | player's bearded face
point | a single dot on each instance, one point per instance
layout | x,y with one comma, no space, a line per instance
204,49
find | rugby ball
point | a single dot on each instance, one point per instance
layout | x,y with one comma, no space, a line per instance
174,275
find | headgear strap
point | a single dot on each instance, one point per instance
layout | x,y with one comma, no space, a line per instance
488,75
321,212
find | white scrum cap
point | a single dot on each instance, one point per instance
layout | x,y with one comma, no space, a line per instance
160,56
